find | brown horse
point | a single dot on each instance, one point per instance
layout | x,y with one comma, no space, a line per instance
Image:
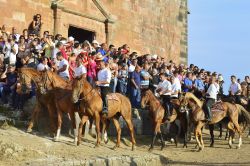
156,112
52,81
90,99
54,100
226,109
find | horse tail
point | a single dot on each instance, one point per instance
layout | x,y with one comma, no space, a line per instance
243,113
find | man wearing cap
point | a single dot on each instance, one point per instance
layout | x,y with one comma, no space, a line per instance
95,45
104,78
164,89
63,68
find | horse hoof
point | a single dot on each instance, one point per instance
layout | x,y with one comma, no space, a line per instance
55,139
184,146
211,145
162,147
220,137
238,147
116,146
78,143
133,147
230,146
29,130
200,149
106,141
150,149
97,145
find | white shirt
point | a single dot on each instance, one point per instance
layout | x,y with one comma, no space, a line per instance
9,54
104,75
80,71
165,85
41,67
64,73
176,86
213,91
234,88
131,68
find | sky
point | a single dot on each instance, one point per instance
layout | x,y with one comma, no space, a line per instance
219,37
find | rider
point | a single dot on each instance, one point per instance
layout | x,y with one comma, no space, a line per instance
104,77
211,97
164,89
235,89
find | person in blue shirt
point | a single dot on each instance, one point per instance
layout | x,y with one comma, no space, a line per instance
104,48
135,87
188,83
199,86
145,76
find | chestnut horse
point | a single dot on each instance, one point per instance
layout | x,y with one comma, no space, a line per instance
90,99
156,112
52,81
54,100
198,117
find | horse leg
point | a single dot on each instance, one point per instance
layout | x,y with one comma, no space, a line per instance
220,126
238,129
33,117
83,121
230,130
118,129
156,129
198,135
131,131
211,129
73,123
59,125
97,128
227,132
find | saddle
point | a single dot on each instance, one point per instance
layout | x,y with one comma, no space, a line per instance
112,96
217,107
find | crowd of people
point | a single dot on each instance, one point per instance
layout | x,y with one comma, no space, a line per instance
113,69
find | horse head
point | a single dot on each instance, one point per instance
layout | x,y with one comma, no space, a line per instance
189,100
27,75
77,87
145,97
47,81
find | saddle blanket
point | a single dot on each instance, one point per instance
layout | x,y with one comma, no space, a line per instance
217,107
112,96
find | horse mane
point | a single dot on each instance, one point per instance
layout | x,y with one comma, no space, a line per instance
57,78
189,95
30,70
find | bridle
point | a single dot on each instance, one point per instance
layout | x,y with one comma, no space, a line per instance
79,94
47,78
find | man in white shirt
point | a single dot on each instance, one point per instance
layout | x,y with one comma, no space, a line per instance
80,70
235,89
43,64
10,50
104,78
164,89
176,87
211,97
63,69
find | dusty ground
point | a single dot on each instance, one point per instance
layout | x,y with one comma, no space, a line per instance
20,148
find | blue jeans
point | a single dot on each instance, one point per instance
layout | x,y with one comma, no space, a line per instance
113,84
123,87
91,81
136,97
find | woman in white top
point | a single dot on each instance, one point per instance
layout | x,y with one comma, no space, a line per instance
80,70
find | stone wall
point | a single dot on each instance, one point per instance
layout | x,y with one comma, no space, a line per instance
148,26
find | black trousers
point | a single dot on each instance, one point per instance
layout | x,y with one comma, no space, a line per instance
166,103
207,107
104,91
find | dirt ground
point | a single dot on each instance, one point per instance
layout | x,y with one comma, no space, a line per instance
20,148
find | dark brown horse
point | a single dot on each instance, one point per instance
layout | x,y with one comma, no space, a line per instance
156,112
90,99
226,110
54,100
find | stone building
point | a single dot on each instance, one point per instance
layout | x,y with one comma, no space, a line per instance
147,26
